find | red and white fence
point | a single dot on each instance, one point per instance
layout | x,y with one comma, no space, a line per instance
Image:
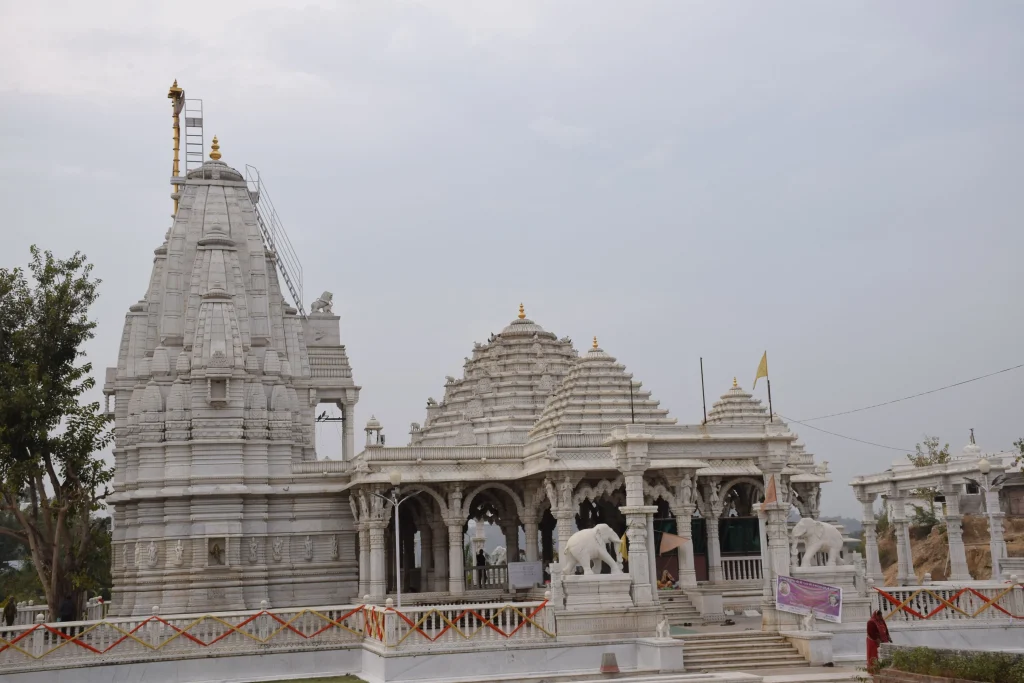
154,638
951,602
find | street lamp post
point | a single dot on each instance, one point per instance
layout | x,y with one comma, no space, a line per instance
392,497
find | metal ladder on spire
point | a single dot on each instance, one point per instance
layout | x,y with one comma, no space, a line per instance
288,263
193,134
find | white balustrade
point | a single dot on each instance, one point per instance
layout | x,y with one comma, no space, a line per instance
951,602
488,577
446,626
139,639
42,646
741,568
28,611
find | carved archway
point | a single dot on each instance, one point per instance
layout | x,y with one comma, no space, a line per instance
604,487
468,500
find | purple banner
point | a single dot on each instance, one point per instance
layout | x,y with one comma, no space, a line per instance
806,597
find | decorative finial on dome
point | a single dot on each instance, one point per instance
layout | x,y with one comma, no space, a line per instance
522,312
595,341
734,384
215,149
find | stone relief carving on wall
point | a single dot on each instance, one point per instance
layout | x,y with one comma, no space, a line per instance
278,549
254,550
334,547
308,546
152,554
686,490
179,550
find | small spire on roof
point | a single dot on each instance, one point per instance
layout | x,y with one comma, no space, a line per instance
215,149
595,341
522,312
734,382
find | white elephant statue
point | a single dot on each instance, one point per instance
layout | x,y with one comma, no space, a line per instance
817,537
587,547
499,556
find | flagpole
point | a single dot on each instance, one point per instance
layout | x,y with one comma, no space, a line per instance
703,398
770,411
632,415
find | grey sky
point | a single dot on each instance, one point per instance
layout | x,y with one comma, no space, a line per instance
835,182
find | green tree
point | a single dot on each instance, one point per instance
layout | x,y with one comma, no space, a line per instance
928,453
51,479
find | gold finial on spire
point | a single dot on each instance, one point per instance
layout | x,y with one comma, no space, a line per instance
215,149
734,383
522,312
595,341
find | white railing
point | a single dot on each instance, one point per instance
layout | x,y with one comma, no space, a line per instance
76,643
741,568
950,602
138,639
453,625
489,576
96,609
28,611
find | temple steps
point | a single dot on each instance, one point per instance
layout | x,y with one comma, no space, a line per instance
678,608
732,651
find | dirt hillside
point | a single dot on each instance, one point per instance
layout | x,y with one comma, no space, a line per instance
931,552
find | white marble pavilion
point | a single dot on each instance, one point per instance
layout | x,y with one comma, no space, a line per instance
220,501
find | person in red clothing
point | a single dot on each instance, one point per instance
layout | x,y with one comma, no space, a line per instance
878,633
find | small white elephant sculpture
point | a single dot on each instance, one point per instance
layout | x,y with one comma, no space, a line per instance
817,537
587,548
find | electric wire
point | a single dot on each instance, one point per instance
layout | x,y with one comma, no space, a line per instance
907,398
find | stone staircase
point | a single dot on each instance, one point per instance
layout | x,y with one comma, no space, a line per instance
678,608
738,650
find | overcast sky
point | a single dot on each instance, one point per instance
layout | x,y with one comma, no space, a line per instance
838,183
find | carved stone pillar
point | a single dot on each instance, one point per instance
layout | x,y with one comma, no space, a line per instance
439,547
511,533
958,570
532,529
687,570
456,559
997,544
348,441
873,564
378,578
563,529
426,557
904,556
714,549
639,552
364,560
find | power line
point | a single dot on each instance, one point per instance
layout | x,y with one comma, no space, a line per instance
851,438
905,398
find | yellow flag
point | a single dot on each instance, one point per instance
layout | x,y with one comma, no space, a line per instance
623,553
762,368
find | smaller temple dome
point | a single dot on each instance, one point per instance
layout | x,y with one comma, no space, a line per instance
736,406
597,395
373,423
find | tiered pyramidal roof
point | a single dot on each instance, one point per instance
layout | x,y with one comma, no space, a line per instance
596,396
502,391
737,407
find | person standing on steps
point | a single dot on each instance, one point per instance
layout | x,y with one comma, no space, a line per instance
878,633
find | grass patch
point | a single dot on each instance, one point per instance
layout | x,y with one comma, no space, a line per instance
984,667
